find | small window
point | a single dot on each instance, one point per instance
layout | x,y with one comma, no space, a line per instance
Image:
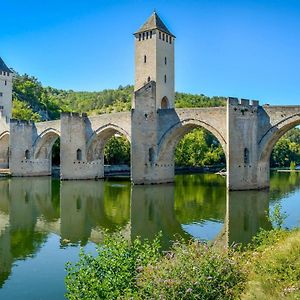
140,36
27,154
165,78
163,36
1,94
151,155
147,35
165,60
246,156
5,82
159,35
79,154
164,103
150,34
143,35
145,59
170,40
167,38
149,79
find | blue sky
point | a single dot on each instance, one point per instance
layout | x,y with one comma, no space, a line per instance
248,49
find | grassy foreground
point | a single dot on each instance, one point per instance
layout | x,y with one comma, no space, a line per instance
269,268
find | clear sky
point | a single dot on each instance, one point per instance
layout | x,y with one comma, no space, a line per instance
248,49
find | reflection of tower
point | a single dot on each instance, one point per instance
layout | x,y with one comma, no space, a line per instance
152,211
246,213
154,60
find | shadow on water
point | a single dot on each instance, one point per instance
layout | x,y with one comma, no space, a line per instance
81,211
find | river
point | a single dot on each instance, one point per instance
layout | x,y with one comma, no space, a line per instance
45,222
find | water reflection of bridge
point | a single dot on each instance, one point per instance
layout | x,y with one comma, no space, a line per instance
30,209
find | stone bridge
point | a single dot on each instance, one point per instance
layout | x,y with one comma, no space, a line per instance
246,131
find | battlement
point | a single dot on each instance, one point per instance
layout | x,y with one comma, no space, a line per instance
21,122
242,102
73,115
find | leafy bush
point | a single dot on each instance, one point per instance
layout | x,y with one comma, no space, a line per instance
139,271
193,271
112,273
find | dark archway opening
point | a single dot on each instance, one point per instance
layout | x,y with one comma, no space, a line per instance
55,158
199,151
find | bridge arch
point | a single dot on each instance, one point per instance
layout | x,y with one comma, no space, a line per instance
272,136
4,150
100,137
170,139
42,147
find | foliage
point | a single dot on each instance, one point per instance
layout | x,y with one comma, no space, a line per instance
112,273
287,149
199,148
22,111
140,271
292,166
277,217
193,271
117,151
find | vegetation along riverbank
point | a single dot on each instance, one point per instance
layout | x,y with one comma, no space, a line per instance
268,268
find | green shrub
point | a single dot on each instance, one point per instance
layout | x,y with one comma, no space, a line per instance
292,166
112,273
193,271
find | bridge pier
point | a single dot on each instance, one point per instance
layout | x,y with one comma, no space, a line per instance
242,147
22,161
73,149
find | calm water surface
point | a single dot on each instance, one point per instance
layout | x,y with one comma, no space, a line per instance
44,222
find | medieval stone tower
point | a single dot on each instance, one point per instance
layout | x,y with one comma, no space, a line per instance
5,90
154,60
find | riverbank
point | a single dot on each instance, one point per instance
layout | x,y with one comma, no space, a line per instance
269,268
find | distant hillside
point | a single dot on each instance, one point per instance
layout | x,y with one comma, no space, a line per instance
33,101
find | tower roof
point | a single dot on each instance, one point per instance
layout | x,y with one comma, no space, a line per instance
154,22
4,67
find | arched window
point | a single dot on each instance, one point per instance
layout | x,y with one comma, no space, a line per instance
246,156
147,35
159,35
165,78
170,40
151,155
140,37
164,103
167,38
27,154
165,60
145,59
150,34
148,78
163,36
79,154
